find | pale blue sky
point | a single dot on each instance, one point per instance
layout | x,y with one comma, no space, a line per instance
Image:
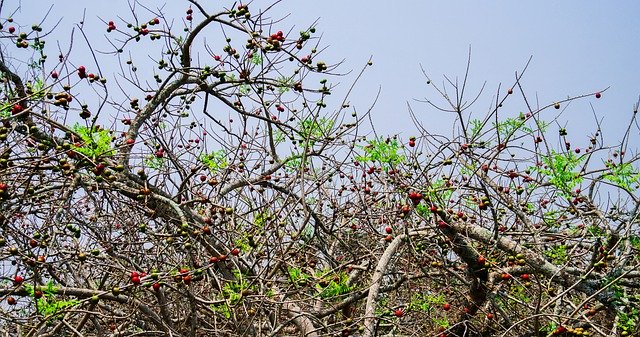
577,47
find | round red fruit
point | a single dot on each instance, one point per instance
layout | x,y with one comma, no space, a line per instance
446,307
398,312
18,280
598,95
388,230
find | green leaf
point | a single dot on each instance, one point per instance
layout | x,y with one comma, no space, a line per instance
214,161
95,143
382,151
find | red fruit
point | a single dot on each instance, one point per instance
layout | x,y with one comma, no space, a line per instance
388,238
135,280
134,274
184,271
433,208
213,259
398,312
489,316
159,153
222,257
412,143
505,276
598,95
235,251
189,11
37,294
446,307
18,280
482,260
189,17
156,21
16,109
560,330
54,74
11,301
186,279
82,69
405,209
525,277
510,91
144,31
156,286
130,141
442,224
12,30
206,230
389,230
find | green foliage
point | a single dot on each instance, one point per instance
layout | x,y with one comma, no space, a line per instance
383,151
293,164
595,231
439,193
510,126
214,161
520,293
232,293
560,170
475,129
634,240
5,110
443,321
297,276
423,210
426,302
558,254
506,128
95,143
244,89
336,286
284,83
154,162
256,59
312,130
623,175
36,88
222,308
278,137
628,321
47,305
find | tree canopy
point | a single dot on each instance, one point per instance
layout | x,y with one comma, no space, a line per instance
199,177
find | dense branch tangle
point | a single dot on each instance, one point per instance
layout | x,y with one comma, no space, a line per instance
214,191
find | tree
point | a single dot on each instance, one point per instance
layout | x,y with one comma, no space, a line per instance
212,188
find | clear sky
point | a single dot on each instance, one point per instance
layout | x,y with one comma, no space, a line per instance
577,47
